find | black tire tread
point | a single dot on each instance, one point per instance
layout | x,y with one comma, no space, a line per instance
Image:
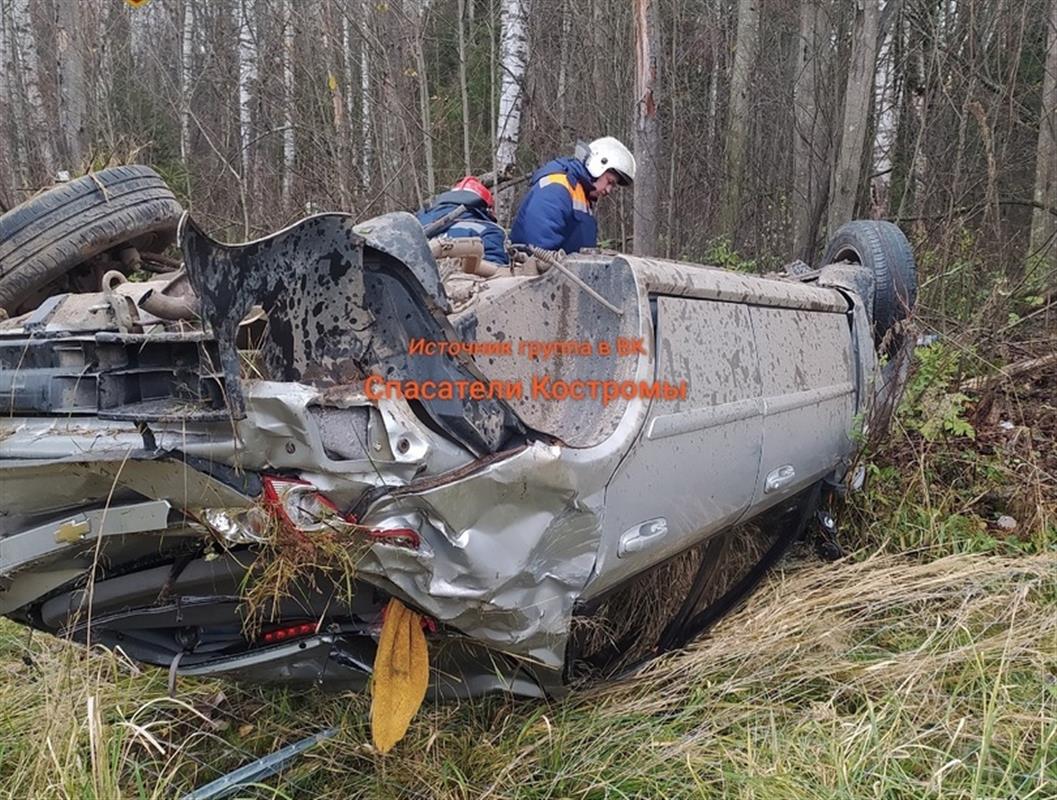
881,246
50,234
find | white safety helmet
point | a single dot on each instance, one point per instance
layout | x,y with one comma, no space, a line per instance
609,153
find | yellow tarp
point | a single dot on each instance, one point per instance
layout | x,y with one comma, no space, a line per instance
401,674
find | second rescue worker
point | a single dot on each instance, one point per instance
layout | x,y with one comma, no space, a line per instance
558,211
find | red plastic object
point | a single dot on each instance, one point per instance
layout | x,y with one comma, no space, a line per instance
289,632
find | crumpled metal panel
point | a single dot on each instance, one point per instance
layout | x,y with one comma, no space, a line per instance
505,552
560,311
340,310
280,432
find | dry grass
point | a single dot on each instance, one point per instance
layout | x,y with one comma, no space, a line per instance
925,666
633,620
292,563
882,678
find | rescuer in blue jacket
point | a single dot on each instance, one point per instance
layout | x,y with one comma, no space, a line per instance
477,221
558,211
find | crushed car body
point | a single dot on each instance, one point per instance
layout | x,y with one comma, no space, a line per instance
325,388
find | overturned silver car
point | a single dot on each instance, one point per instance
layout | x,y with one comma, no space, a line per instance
231,470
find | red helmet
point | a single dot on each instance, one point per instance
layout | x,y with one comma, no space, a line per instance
471,184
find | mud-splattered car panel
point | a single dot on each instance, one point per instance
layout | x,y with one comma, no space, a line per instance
496,518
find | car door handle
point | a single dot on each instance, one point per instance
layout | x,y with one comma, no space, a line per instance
778,478
638,538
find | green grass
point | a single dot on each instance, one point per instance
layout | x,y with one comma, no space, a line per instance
883,677
924,665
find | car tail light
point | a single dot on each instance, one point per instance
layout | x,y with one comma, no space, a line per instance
289,632
401,537
239,525
298,506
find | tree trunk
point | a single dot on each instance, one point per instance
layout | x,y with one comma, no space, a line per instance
647,128
33,116
712,147
916,84
746,47
112,22
671,229
1043,222
513,55
366,101
396,170
347,62
563,71
492,64
463,94
810,143
9,178
599,41
331,46
858,93
886,124
289,101
186,79
247,58
69,65
423,94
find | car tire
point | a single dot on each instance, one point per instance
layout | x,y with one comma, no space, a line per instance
883,248
48,235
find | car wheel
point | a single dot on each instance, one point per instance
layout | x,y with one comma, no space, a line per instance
881,247
47,236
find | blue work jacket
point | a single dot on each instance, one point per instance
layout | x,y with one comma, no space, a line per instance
474,222
556,213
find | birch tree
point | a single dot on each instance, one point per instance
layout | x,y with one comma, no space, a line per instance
844,185
366,101
247,59
289,102
712,146
187,36
600,79
513,58
746,45
647,127
349,59
1044,217
913,163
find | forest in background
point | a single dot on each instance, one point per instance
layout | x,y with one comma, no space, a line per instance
759,125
